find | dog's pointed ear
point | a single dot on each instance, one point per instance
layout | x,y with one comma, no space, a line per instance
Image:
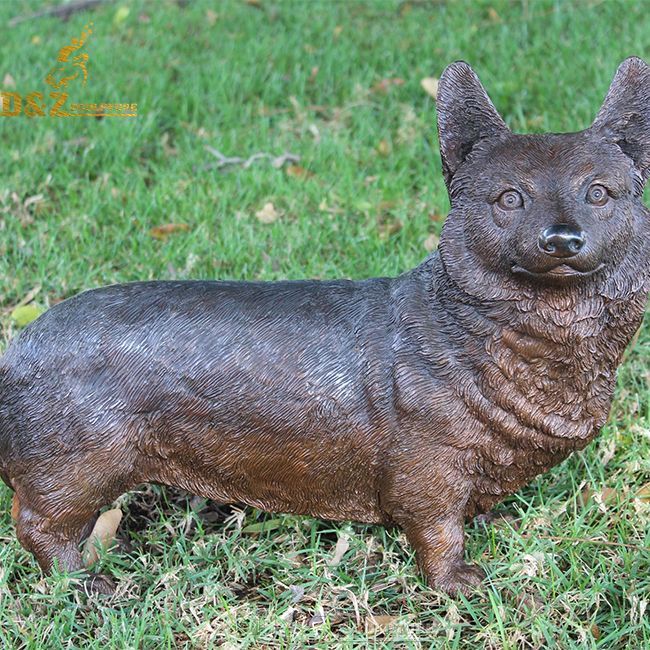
624,117
465,116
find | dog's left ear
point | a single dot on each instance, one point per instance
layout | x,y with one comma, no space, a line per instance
624,117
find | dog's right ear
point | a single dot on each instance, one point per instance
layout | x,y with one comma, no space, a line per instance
465,115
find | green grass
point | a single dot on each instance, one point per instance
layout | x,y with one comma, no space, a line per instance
299,77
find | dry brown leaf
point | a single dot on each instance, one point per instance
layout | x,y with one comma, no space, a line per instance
643,492
430,86
585,496
431,242
298,171
8,82
323,206
342,545
389,228
162,232
31,200
380,623
493,15
608,452
532,564
384,148
102,534
182,184
297,593
529,601
78,143
167,145
384,85
603,498
20,211
288,614
409,128
608,495
268,214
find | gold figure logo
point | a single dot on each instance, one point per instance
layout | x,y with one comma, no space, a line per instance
78,61
71,69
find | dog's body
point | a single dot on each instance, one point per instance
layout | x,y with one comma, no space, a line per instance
417,401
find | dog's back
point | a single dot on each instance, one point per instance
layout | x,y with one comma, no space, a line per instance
266,393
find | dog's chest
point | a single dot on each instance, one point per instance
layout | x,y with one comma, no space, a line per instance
553,365
536,379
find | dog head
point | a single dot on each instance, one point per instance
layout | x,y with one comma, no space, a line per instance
537,212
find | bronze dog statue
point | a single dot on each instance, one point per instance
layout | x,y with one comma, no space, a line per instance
417,401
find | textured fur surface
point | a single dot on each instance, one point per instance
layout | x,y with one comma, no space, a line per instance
418,401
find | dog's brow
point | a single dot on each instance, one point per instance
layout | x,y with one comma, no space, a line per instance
612,179
581,179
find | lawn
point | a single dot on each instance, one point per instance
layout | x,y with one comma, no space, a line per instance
86,202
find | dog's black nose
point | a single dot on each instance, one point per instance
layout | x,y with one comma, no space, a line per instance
561,241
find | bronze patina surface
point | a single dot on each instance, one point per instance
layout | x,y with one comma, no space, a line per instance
415,401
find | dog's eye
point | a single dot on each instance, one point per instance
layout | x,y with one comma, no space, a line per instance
510,200
597,195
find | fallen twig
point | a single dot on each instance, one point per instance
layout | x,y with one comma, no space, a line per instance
27,298
225,161
586,540
63,11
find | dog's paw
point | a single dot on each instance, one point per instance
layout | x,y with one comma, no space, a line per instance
460,579
98,584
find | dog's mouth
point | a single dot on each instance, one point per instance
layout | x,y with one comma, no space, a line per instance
561,271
